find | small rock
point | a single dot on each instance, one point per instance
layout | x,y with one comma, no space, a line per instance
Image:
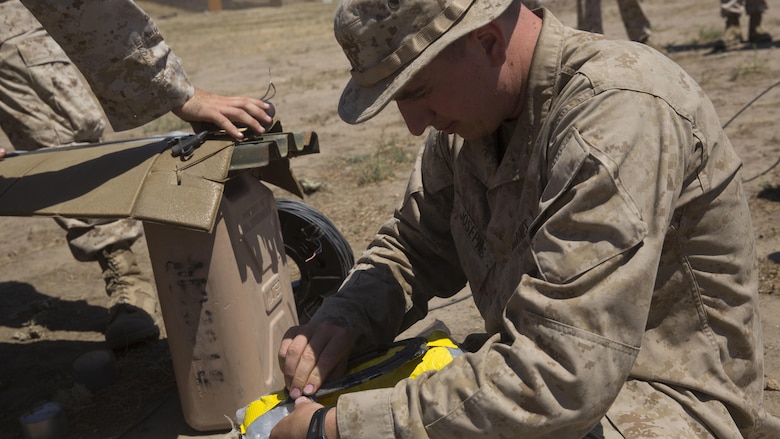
310,185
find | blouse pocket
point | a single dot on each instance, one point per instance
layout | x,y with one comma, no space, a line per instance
586,214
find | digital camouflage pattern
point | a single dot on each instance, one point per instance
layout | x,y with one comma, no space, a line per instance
43,101
132,71
609,250
120,51
88,238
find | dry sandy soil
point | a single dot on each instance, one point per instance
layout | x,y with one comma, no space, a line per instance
53,308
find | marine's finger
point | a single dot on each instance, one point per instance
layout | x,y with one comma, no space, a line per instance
300,361
330,362
225,124
250,112
290,349
311,358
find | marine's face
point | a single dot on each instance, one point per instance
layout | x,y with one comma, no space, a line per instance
453,94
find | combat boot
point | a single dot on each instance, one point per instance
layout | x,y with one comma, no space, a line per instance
133,301
756,33
732,36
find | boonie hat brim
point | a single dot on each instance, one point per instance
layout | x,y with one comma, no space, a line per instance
359,103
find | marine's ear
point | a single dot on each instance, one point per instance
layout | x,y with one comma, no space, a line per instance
493,41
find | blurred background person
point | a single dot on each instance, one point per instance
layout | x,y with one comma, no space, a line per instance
632,13
732,10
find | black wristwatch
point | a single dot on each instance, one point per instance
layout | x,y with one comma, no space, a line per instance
317,425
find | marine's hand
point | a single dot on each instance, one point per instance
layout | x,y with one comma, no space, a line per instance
224,111
312,353
296,424
2,153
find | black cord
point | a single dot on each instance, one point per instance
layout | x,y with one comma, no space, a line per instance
750,103
740,112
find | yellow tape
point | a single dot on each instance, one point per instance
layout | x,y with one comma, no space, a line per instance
261,406
439,354
434,359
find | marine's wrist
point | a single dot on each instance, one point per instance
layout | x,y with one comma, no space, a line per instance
323,424
331,425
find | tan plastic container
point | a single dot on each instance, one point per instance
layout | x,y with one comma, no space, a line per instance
226,299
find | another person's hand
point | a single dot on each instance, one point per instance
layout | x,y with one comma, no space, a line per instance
311,354
224,111
2,153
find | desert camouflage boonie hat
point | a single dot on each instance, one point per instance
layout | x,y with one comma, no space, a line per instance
388,41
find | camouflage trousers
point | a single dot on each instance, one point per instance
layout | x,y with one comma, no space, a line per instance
87,238
45,103
635,20
43,100
740,7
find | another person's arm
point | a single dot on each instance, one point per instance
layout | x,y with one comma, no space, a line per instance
132,71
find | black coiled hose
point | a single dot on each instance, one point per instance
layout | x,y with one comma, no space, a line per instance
318,255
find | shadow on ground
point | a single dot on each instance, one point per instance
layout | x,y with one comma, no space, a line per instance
38,367
770,193
713,48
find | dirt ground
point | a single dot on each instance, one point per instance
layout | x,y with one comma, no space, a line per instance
54,308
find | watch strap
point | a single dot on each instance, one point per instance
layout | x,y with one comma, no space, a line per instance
317,424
